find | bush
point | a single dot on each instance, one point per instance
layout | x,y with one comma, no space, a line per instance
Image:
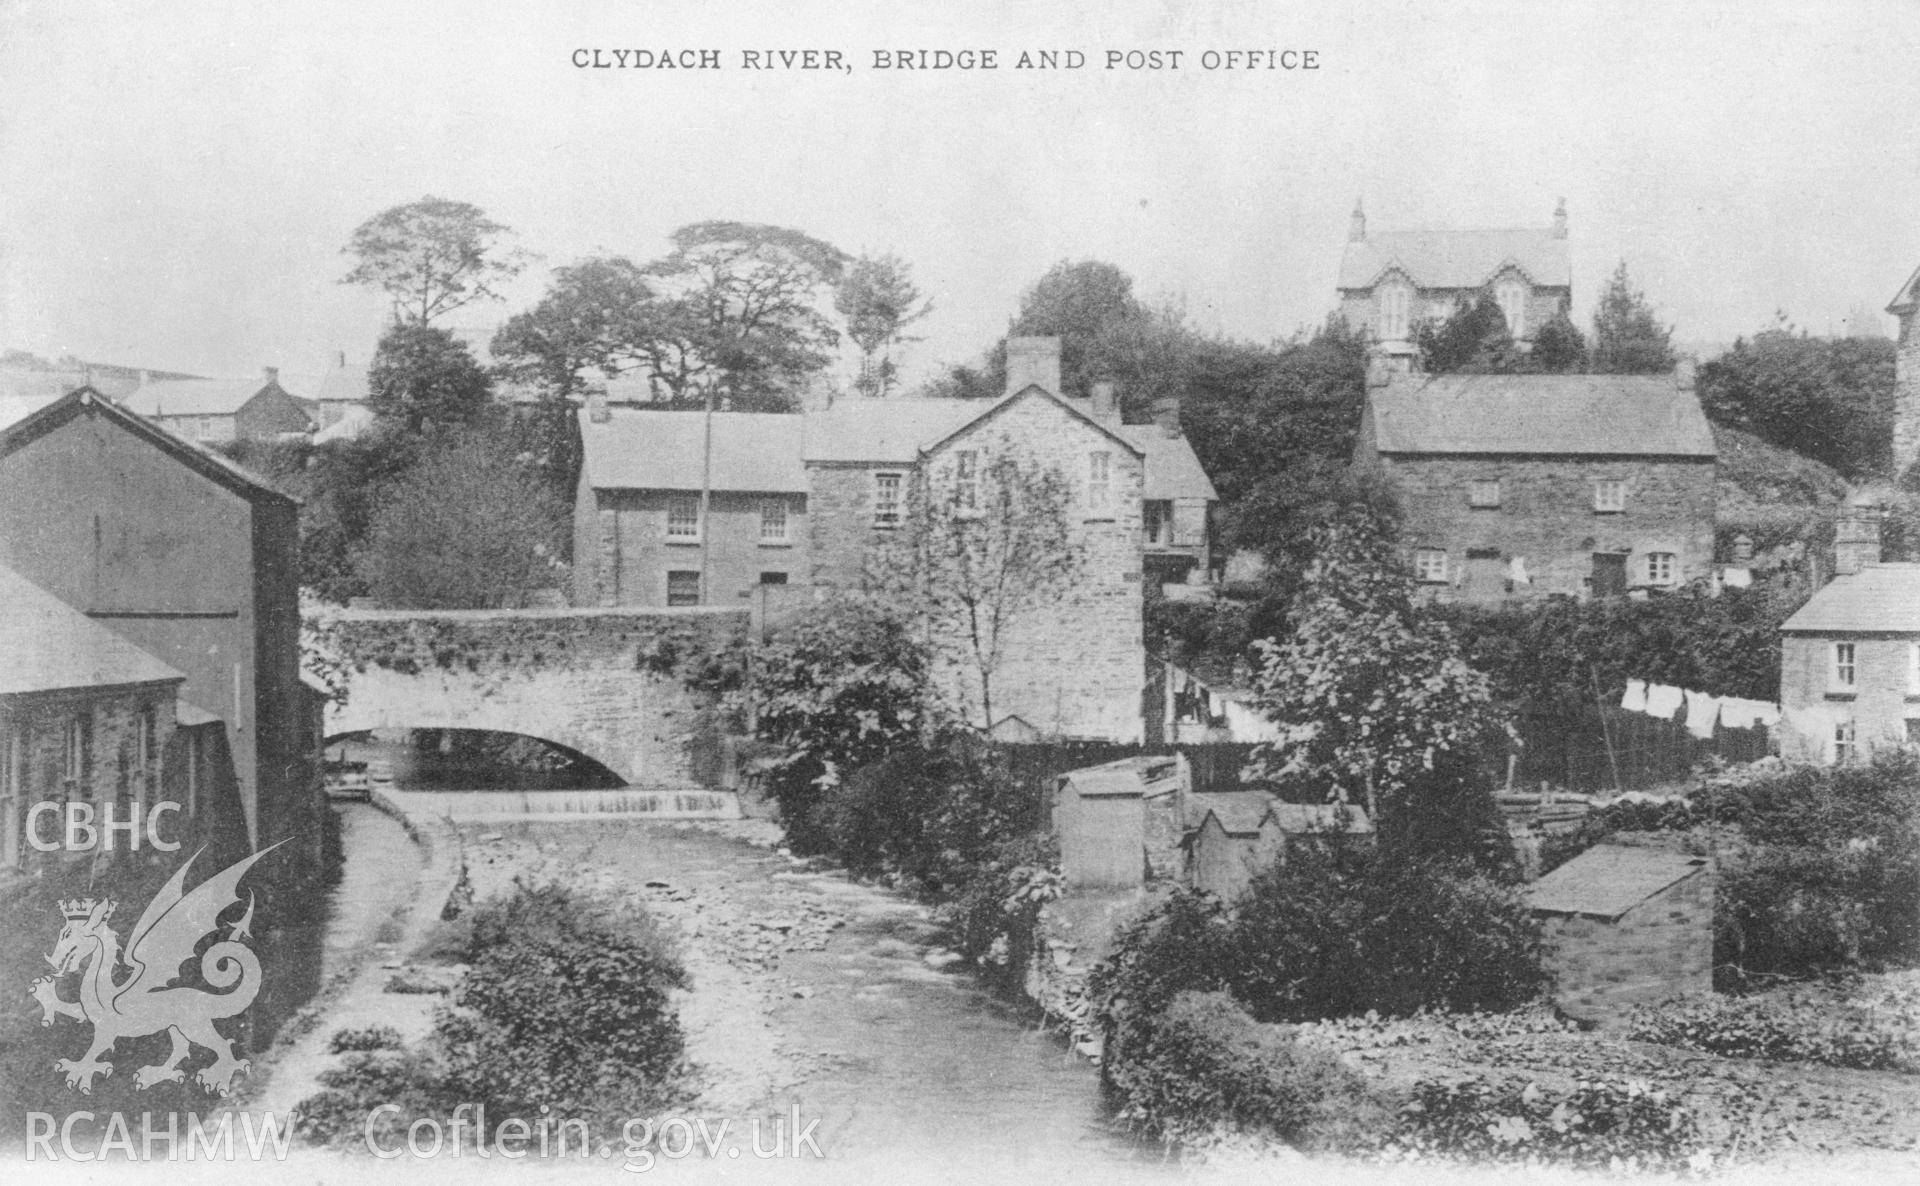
564,1008
995,914
1323,937
1597,1125
1205,1068
1810,1029
371,1037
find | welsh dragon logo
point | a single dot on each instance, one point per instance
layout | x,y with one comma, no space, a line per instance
145,1000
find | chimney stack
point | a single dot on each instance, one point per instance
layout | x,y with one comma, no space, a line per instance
1379,371
597,412
1560,220
1357,225
1166,413
1683,374
343,360
1906,380
1856,538
1106,406
272,374
1033,362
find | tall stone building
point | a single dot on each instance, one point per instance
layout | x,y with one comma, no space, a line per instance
1392,281
1906,381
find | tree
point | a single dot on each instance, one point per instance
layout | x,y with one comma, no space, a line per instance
1559,346
422,377
431,257
1627,338
1830,399
1472,339
471,526
1089,305
739,317
878,299
981,552
1375,705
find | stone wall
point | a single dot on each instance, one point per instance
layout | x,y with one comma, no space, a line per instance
606,683
1661,948
840,530
1879,704
1906,387
1546,515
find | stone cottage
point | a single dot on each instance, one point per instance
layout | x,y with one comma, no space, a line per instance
1391,282
1624,927
678,508
1850,666
212,411
193,561
1515,486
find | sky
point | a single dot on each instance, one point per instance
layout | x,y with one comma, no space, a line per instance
177,181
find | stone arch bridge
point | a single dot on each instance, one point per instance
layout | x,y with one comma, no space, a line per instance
603,682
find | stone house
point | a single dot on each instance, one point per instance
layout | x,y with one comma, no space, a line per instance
193,561
1625,927
1239,833
1391,282
828,499
1514,486
1850,666
1906,377
213,411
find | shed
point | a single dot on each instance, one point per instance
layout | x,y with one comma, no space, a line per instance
1626,926
1241,832
1120,823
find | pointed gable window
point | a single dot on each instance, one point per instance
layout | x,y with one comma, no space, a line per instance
1511,296
1395,299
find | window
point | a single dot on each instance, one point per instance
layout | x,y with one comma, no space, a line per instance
1430,565
1156,518
886,500
13,777
773,521
1843,743
966,480
1660,568
773,578
1845,669
1609,496
683,517
1393,312
683,587
138,784
1511,296
1484,492
73,763
1099,482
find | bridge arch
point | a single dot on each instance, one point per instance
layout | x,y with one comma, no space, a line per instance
601,682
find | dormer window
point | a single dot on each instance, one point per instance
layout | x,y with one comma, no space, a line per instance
1511,296
1395,298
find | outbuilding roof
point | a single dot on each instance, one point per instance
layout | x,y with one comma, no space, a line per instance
1880,598
1305,818
1172,469
1615,415
1903,301
1608,880
51,647
1239,812
1458,258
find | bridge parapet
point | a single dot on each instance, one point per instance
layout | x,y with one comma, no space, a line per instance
606,682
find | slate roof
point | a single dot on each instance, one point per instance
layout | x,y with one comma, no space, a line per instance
1172,469
1909,294
1630,415
1149,775
1880,598
194,397
50,646
1298,818
1608,880
347,383
886,430
1457,258
758,452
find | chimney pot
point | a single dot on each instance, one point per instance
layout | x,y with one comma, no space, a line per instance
343,360
1560,220
1033,362
1684,373
272,374
597,412
1357,225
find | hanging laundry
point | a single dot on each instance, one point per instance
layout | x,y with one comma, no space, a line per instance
1736,578
1517,571
1636,698
1738,713
1702,711
1663,701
